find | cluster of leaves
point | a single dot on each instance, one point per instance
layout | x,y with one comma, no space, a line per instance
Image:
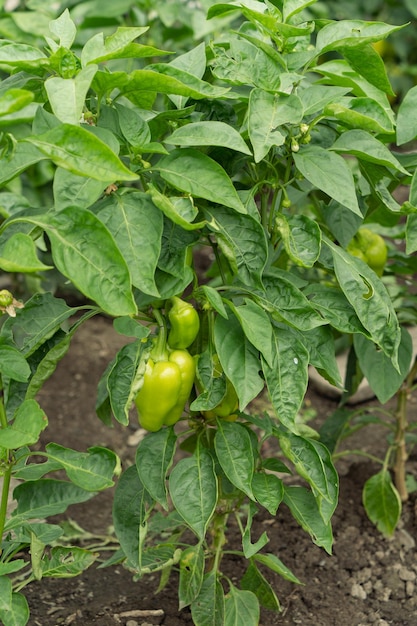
268,147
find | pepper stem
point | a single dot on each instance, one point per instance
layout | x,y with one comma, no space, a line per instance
159,351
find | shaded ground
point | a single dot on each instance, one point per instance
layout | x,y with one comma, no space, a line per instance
369,580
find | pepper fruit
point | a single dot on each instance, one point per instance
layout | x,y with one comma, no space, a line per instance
229,403
185,323
369,247
159,393
186,365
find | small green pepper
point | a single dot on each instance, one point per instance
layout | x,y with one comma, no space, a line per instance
369,247
185,324
186,365
159,393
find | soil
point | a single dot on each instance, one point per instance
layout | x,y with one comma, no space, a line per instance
368,580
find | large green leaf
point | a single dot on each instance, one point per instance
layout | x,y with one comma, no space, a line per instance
407,117
301,237
383,377
303,507
80,151
243,242
287,376
363,113
67,95
330,173
208,134
366,147
239,359
92,470
28,423
14,609
191,574
254,581
370,299
234,453
154,457
136,225
129,515
119,45
313,462
208,607
193,489
266,113
351,33
85,252
197,174
241,607
382,502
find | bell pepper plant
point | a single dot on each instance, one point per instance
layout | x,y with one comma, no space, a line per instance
267,145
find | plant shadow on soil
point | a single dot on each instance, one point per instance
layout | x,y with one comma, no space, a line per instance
368,580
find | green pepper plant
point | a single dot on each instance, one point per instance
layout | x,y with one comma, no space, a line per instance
265,149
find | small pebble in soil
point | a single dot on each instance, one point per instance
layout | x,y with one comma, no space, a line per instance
357,591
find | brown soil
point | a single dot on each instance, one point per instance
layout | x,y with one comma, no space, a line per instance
369,580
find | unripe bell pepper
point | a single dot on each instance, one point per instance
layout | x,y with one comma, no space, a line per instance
159,393
186,365
185,324
369,247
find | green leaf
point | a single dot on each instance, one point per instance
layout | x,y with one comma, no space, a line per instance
129,515
130,327
369,298
39,320
367,62
154,457
351,33
67,562
330,173
277,566
242,240
28,423
124,378
335,308
119,45
238,358
407,117
313,462
13,364
208,134
234,452
136,225
81,152
315,97
15,100
321,346
24,155
208,608
193,489
287,376
14,609
382,502
19,255
73,190
266,113
215,300
92,470
194,62
179,210
43,498
241,607
64,28
191,575
411,234
292,7
268,491
287,302
253,581
303,507
366,147
360,112
67,95
301,237
257,327
85,252
383,377
195,173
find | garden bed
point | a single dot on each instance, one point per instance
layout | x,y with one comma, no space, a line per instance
369,579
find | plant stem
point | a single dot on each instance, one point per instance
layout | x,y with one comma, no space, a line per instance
338,455
4,499
219,540
401,422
